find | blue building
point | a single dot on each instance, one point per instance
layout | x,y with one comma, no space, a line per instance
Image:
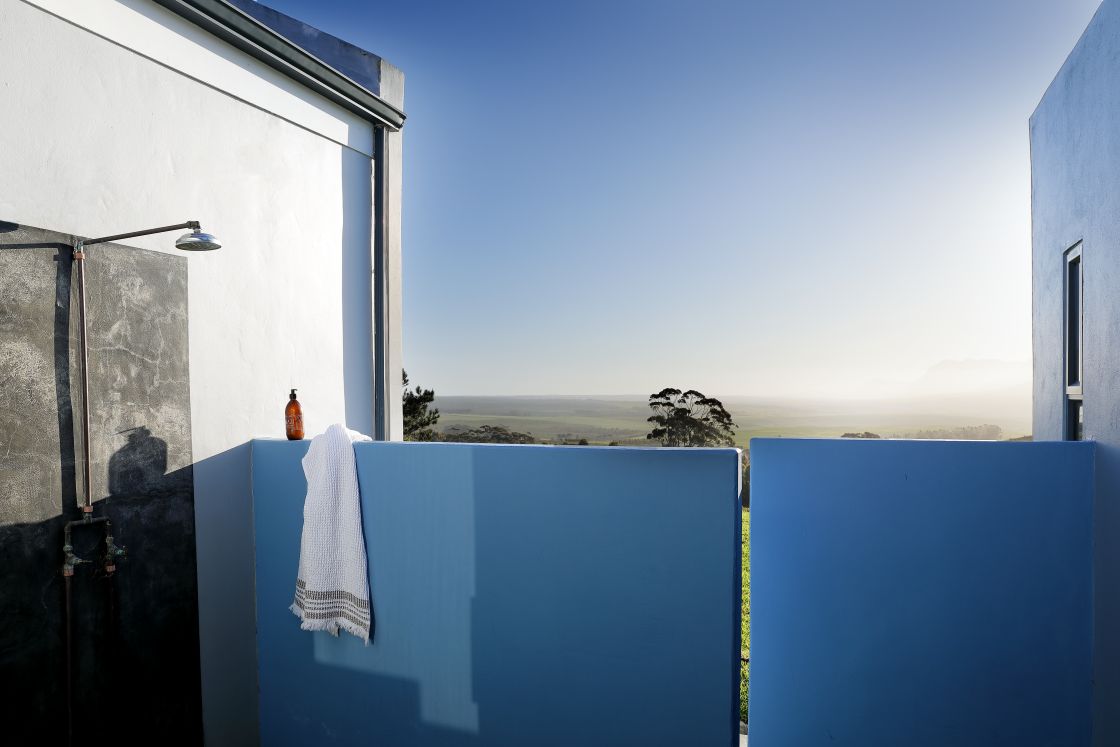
1075,193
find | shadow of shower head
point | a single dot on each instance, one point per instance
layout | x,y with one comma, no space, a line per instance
197,241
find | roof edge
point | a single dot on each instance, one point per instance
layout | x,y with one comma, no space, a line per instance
1066,62
234,26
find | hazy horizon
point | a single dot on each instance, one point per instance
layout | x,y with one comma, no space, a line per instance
944,379
951,395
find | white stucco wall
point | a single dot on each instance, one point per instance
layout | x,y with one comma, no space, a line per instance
118,116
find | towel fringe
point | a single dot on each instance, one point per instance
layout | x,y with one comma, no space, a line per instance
330,626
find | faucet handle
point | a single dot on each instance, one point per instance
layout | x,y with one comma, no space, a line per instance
112,552
70,560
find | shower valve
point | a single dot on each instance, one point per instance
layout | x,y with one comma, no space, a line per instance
112,552
70,560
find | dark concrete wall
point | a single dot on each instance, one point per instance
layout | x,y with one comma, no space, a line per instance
134,633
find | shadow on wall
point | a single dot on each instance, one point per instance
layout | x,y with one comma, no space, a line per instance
129,629
140,468
511,584
356,292
401,695
134,632
227,635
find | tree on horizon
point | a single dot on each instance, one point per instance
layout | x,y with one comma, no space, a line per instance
486,434
689,419
419,416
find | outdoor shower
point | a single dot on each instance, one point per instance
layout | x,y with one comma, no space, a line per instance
193,240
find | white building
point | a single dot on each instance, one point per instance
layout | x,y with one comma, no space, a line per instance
119,115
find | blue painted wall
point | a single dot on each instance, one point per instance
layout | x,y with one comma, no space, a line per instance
522,595
1075,196
920,593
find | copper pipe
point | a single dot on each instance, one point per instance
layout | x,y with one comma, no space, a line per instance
87,488
109,668
69,671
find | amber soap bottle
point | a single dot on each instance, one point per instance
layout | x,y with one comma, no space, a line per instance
293,418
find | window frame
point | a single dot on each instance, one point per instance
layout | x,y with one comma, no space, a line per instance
1073,312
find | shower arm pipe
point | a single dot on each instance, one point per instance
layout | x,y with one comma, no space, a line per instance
79,260
191,224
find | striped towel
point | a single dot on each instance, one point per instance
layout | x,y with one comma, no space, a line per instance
332,589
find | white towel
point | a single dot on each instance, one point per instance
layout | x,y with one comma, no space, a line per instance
332,590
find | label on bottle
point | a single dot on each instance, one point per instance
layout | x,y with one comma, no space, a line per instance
294,423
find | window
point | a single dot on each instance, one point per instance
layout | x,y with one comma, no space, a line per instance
1074,334
1075,420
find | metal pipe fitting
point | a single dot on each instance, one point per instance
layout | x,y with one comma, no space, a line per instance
70,560
112,552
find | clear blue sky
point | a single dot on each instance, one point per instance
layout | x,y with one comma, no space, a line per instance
789,198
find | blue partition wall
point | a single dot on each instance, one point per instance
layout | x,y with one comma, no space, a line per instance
522,595
920,593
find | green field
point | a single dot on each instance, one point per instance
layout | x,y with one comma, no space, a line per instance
602,420
599,420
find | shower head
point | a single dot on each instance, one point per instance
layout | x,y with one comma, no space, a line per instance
197,241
